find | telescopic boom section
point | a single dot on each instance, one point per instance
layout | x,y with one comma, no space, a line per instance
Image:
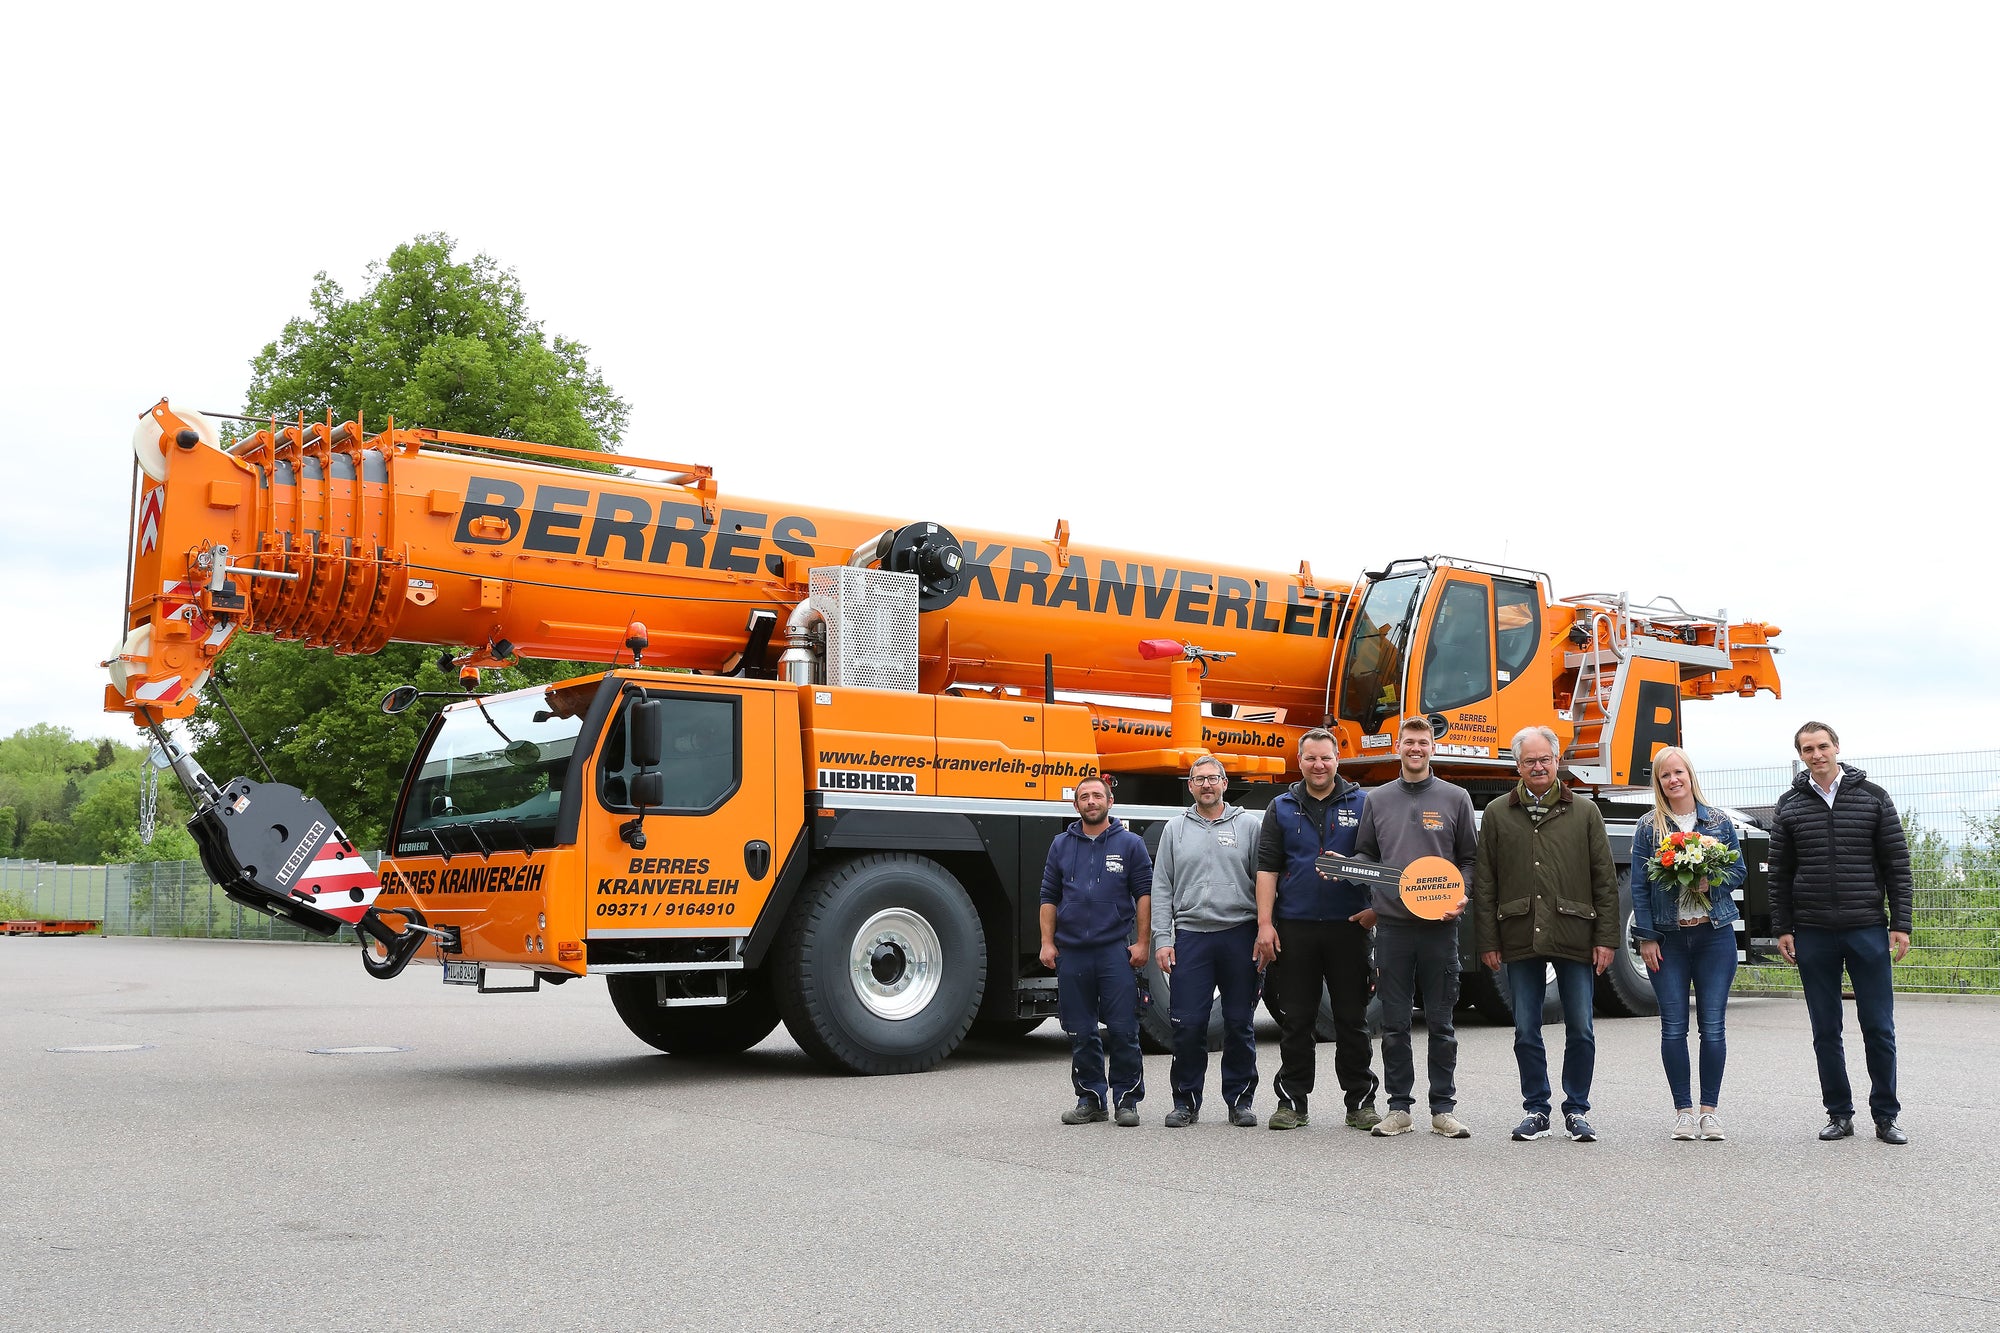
326,534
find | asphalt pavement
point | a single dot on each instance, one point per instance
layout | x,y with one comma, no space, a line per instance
523,1162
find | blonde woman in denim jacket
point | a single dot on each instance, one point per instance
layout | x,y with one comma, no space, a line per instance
1684,943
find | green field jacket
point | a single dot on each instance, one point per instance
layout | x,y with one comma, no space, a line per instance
1549,891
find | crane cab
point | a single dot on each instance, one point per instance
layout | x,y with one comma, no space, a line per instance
1463,644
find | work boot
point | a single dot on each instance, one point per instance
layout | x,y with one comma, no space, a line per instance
1837,1127
1392,1124
1085,1112
1286,1118
1181,1117
1243,1117
1364,1116
1128,1117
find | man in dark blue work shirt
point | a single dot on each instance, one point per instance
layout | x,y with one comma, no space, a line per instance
1321,927
1097,888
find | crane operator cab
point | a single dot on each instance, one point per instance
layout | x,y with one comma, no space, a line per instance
1450,640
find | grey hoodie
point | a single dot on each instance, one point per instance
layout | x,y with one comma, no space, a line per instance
1402,822
1205,876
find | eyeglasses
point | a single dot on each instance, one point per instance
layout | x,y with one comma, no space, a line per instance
1207,780
1536,763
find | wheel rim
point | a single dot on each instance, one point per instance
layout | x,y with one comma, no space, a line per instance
896,964
1632,954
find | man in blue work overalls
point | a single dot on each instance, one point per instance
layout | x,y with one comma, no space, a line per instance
1097,889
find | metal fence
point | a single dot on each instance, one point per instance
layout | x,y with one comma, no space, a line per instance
1950,805
167,898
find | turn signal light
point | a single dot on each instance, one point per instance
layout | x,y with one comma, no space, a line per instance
569,951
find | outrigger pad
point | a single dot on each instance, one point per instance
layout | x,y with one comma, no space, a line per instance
276,850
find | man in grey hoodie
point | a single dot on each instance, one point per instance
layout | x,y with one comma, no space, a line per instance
1418,815
1204,935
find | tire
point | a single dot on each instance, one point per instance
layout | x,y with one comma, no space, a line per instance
1486,991
1004,1029
1322,1026
747,1019
1626,989
1156,1022
921,957
1481,989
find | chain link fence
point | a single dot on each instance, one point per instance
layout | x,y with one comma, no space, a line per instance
1950,804
163,898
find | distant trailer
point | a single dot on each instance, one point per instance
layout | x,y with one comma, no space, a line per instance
49,927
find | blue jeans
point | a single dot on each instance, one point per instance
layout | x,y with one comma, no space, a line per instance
1205,962
1100,986
1865,953
1576,983
1705,955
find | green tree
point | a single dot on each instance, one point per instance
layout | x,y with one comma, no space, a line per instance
46,841
436,341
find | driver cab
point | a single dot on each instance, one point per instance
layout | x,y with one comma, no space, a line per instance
1450,640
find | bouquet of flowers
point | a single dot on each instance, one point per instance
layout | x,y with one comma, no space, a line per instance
1686,861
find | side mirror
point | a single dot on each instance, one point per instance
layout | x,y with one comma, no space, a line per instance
399,699
649,790
649,733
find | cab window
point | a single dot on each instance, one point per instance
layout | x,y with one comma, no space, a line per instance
1458,661
1368,691
1517,615
702,765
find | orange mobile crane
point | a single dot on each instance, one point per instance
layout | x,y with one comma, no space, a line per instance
823,788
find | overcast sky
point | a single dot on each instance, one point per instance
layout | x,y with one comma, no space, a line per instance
1697,300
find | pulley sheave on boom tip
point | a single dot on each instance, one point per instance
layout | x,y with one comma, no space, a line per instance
149,437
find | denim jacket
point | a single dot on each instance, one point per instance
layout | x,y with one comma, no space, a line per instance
1656,907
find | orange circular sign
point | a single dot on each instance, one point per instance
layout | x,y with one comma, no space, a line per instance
1432,888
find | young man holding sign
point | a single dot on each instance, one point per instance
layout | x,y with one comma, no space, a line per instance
1416,929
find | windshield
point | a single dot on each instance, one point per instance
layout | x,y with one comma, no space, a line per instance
492,779
1369,691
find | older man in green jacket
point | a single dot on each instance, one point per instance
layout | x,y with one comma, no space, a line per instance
1545,894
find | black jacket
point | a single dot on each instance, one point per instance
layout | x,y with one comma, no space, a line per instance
1832,866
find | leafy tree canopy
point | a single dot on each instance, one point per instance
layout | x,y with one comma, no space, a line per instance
77,801
436,341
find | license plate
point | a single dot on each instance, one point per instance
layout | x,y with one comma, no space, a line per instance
458,972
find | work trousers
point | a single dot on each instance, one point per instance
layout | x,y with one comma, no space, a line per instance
1412,953
1865,954
1099,985
1705,956
1329,957
1207,962
1577,984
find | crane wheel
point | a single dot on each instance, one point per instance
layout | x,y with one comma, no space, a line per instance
881,964
1323,1030
1156,1020
1626,989
748,1018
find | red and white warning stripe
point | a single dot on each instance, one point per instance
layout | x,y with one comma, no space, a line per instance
341,885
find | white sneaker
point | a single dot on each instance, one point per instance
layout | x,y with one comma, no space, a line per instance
1684,1126
1711,1128
1445,1123
1396,1122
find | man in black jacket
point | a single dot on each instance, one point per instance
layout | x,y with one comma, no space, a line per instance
1837,852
